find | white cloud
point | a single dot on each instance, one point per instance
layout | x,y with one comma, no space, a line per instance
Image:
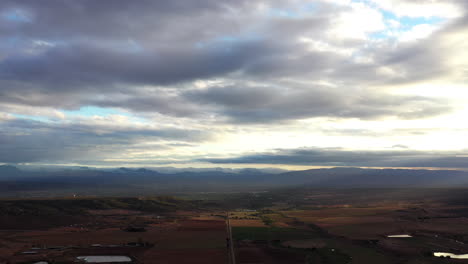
359,21
47,112
422,8
417,32
5,117
392,23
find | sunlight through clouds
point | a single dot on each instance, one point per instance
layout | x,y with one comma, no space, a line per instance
174,86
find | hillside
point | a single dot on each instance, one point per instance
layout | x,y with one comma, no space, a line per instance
71,206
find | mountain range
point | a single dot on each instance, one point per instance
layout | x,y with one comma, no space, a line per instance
129,181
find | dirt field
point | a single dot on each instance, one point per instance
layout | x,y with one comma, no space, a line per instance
237,222
167,239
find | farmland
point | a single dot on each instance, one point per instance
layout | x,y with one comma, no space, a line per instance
268,229
166,233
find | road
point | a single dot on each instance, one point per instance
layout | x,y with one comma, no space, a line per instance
232,256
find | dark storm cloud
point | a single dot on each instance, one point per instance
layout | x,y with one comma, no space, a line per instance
340,157
34,141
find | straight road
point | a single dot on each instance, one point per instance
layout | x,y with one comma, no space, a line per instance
232,256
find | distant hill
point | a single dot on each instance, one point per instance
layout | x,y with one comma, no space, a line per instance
356,177
9,172
125,181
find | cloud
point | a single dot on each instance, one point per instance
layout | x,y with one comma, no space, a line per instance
256,104
71,52
26,140
192,70
341,157
420,8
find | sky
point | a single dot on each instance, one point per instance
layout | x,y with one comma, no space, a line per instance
234,83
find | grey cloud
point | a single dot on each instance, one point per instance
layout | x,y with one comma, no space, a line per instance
97,50
34,141
96,46
340,157
399,146
161,102
116,19
84,67
270,104
423,60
